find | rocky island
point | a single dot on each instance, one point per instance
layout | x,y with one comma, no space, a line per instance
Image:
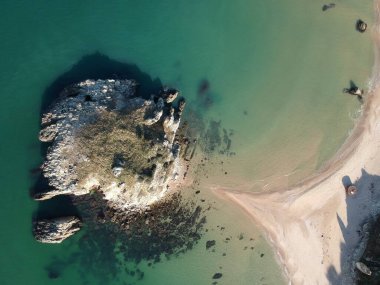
105,140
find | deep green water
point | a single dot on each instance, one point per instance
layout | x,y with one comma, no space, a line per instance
276,70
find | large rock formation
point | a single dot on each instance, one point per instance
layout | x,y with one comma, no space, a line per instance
105,138
56,230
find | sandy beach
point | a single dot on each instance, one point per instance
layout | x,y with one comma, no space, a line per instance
317,231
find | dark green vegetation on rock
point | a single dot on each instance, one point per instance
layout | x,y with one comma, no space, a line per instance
113,141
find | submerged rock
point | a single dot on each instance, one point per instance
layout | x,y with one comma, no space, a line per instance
210,243
169,95
327,6
48,134
361,26
55,230
217,276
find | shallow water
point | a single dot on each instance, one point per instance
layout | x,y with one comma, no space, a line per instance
275,71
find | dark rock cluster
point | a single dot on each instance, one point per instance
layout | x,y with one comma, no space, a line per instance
326,7
55,230
167,228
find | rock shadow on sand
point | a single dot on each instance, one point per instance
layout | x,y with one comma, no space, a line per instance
354,230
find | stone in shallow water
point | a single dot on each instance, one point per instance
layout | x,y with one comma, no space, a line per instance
55,230
217,276
210,243
52,274
48,134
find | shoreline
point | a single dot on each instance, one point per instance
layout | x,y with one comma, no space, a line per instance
314,228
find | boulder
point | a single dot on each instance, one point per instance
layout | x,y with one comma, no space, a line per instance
48,134
363,268
210,243
361,26
327,6
55,230
170,95
354,90
217,276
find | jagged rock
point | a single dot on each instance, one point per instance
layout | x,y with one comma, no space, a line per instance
155,112
204,87
107,139
351,190
170,95
210,243
55,230
361,26
363,268
181,105
354,90
48,134
48,195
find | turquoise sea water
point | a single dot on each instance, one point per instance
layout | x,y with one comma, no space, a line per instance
275,71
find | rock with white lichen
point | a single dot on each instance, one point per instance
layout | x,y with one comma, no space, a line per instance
55,230
106,138
363,268
117,155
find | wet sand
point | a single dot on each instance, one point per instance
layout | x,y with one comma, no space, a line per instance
317,230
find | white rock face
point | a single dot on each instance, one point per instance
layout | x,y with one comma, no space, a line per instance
56,230
104,138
